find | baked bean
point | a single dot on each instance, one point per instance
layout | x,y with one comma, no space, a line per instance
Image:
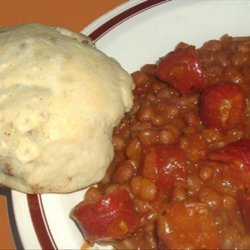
211,197
232,74
229,202
194,183
213,73
133,149
146,114
124,171
207,58
158,120
117,187
164,155
139,78
212,45
92,194
222,58
156,86
138,126
189,130
166,93
206,173
231,236
169,110
194,146
143,188
148,136
243,46
169,134
192,119
179,194
123,130
221,220
239,59
148,68
244,242
118,142
212,135
247,106
185,101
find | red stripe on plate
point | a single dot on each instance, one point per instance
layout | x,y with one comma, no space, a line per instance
37,214
113,22
40,223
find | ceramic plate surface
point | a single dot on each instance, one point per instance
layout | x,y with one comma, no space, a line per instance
135,33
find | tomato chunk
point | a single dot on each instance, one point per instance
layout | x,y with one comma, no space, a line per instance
236,153
188,226
222,106
182,69
113,216
163,164
237,156
244,204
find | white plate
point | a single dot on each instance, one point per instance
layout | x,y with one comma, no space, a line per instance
136,33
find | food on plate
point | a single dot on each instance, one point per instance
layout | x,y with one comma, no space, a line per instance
182,156
222,105
182,69
60,99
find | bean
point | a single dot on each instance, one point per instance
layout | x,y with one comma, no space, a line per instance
143,188
223,59
140,78
169,134
212,45
244,242
92,194
158,120
232,74
211,197
148,136
239,59
206,173
118,142
145,114
192,119
230,236
133,149
243,46
124,171
179,194
229,202
117,187
194,183
148,68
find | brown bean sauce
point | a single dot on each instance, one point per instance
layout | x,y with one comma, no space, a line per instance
203,200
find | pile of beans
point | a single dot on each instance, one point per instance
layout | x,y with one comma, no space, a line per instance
202,200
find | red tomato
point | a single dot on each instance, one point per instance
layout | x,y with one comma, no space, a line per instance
222,106
237,157
244,204
182,69
163,164
236,153
188,225
113,216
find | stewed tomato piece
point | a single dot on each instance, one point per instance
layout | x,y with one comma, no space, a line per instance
222,106
163,164
236,156
188,225
182,69
113,216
